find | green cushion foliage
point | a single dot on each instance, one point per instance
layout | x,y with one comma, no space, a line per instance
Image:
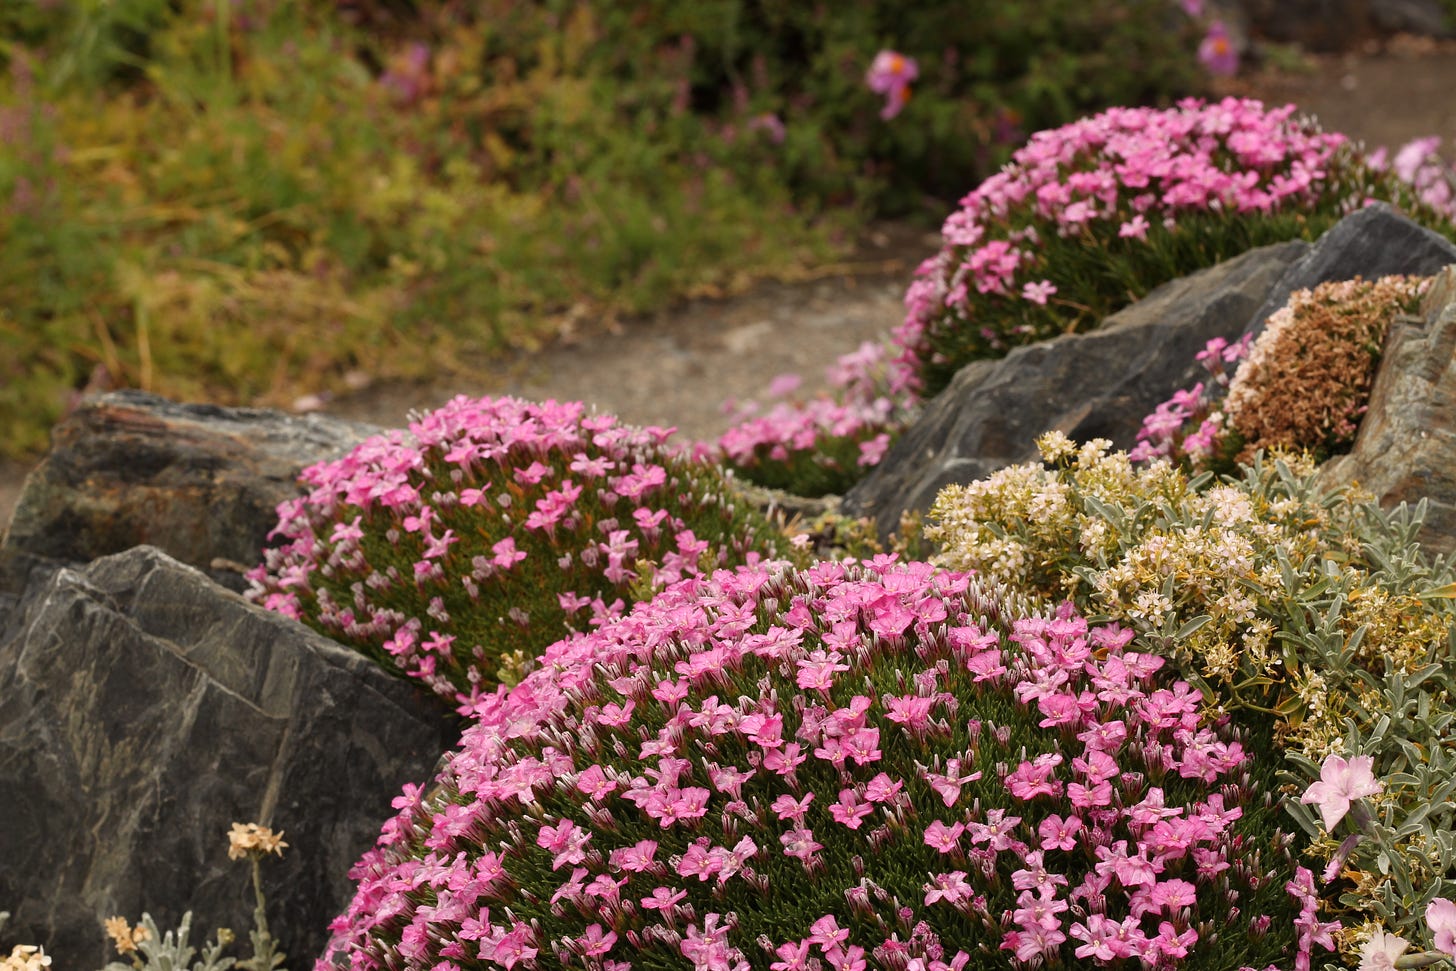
251,204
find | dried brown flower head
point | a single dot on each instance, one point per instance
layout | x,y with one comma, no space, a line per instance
1307,379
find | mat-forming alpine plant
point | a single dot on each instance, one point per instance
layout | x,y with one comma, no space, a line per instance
1210,570
844,767
1303,385
1092,215
456,551
819,445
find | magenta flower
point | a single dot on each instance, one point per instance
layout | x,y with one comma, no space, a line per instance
890,75
1217,52
1341,783
1441,918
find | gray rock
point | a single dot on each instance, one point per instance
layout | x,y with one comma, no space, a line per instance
1427,17
199,481
1375,241
1406,448
143,710
1096,385
1318,25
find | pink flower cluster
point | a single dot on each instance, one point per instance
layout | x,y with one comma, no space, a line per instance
844,767
493,525
1419,163
1114,176
819,444
1188,426
1120,182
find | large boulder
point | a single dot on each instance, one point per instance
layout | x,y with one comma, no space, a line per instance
1372,242
1406,448
201,482
1095,385
143,710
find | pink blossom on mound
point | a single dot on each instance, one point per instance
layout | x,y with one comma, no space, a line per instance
1110,176
861,413
556,831
400,545
1419,163
1120,176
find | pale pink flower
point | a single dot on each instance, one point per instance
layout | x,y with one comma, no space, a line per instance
1381,951
1039,291
1134,228
1441,918
1341,782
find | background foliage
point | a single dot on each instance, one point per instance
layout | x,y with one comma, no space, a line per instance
250,202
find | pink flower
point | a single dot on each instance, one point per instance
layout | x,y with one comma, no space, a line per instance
1381,951
799,842
1217,52
1441,918
950,887
1134,228
890,75
1341,783
1038,292
942,837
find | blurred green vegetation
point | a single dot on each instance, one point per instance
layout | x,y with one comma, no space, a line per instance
246,202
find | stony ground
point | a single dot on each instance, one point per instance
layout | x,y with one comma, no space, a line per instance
679,367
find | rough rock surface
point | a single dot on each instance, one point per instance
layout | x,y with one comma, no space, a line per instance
199,481
1406,447
1376,241
143,710
1339,25
1096,385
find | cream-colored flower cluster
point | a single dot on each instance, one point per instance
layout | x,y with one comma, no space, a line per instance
250,839
26,957
1140,545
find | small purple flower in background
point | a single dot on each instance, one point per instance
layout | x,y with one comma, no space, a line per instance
771,125
890,75
1341,783
1217,52
1193,8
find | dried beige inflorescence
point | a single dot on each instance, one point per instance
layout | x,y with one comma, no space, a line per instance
124,936
1307,378
247,839
1141,545
26,957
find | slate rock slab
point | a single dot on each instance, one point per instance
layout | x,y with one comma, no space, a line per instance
1372,242
201,482
143,710
1406,447
1095,385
